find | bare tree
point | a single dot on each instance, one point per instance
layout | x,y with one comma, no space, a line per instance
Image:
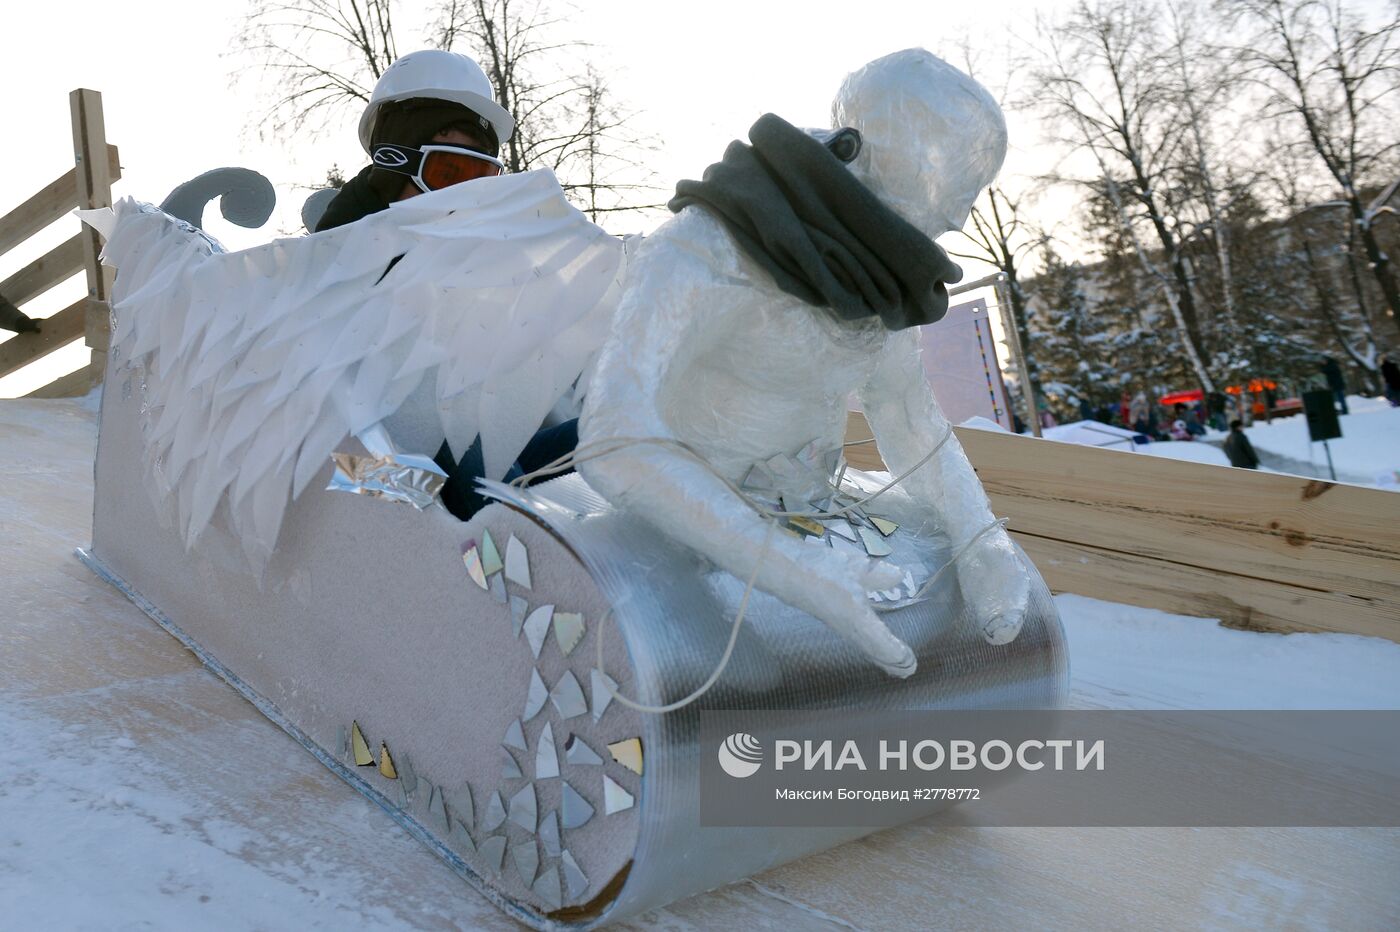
326,54
1335,75
323,56
1105,81
1002,237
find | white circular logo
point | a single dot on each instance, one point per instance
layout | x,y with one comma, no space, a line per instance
741,755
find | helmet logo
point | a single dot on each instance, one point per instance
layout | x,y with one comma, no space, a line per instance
390,158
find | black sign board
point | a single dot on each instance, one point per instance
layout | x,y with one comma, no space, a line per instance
1321,408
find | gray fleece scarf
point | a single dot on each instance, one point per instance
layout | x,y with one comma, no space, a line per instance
824,237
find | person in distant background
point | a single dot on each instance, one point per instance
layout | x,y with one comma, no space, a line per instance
1335,381
1390,375
1239,449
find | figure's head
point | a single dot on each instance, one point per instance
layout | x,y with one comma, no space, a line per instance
933,137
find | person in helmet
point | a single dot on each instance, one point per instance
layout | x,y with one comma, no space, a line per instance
431,121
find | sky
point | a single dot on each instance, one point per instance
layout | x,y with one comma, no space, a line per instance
180,97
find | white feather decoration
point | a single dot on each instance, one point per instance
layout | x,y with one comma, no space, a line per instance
259,363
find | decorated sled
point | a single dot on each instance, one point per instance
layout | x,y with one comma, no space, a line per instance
492,684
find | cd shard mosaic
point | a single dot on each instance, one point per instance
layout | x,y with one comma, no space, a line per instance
568,631
472,558
549,834
490,557
498,589
602,687
517,562
495,813
519,608
463,809
577,752
546,757
462,837
567,697
527,860
874,544
510,768
615,798
628,753
537,697
537,626
574,880
437,808
524,808
515,736
363,758
884,525
547,888
576,810
386,762
493,852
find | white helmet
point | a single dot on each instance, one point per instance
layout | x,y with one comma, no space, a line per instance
439,75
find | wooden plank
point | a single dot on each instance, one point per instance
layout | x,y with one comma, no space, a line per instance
55,331
52,201
1298,531
54,266
75,384
1302,532
94,190
1238,601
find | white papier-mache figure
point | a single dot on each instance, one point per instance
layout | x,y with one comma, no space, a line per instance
706,348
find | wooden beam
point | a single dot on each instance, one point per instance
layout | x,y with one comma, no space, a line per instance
1302,532
73,385
94,190
1256,550
54,266
52,201
55,331
1237,601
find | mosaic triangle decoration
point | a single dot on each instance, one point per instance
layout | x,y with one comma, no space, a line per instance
577,810
546,756
363,758
615,798
577,751
517,562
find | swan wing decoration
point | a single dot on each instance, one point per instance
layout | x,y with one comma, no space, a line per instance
257,364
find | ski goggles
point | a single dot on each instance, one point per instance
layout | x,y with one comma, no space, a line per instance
433,168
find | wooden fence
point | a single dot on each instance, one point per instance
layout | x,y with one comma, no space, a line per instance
1255,550
88,184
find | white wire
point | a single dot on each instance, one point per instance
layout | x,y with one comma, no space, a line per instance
601,448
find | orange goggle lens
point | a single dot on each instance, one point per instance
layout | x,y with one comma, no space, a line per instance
443,169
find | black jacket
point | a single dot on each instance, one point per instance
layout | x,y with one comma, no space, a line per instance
358,198
1241,451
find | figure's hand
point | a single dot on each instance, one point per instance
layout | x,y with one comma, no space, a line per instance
995,586
837,596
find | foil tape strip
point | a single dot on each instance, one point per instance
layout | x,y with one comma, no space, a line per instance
675,613
397,477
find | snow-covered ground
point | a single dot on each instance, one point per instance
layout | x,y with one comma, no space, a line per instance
1367,453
